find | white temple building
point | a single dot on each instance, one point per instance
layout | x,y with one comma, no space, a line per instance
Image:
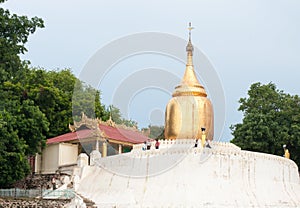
181,174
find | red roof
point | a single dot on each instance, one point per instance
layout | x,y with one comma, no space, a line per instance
70,136
119,134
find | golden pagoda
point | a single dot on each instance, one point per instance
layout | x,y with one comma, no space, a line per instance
189,114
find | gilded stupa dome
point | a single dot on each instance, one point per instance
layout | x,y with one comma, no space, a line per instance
189,110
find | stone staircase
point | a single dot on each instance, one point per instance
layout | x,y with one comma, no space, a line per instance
83,200
89,203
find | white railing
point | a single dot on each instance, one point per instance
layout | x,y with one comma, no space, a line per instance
59,194
18,193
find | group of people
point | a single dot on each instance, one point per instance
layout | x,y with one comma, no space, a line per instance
206,144
204,141
147,145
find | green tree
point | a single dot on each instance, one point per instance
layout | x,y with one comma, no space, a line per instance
100,111
28,121
271,119
52,92
86,99
13,161
14,33
116,116
22,123
156,132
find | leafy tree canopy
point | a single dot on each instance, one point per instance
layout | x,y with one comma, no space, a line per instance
86,99
271,119
155,132
13,159
14,33
22,123
118,119
52,92
36,104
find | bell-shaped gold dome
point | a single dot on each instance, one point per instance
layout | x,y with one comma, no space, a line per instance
189,110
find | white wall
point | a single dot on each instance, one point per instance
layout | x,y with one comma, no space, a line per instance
67,154
55,155
50,158
38,163
223,176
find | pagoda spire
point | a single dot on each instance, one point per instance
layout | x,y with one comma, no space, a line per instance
189,84
190,47
189,109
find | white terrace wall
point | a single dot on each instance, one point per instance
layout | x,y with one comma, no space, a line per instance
223,176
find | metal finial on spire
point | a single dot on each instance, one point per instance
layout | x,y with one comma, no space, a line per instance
189,47
190,30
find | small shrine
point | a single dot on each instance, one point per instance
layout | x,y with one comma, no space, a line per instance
90,136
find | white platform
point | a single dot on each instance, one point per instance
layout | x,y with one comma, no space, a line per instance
178,175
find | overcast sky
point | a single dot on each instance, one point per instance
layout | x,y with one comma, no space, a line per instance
246,41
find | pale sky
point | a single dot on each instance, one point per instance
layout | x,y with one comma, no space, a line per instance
246,42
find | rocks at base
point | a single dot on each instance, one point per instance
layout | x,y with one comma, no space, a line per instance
36,181
32,203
